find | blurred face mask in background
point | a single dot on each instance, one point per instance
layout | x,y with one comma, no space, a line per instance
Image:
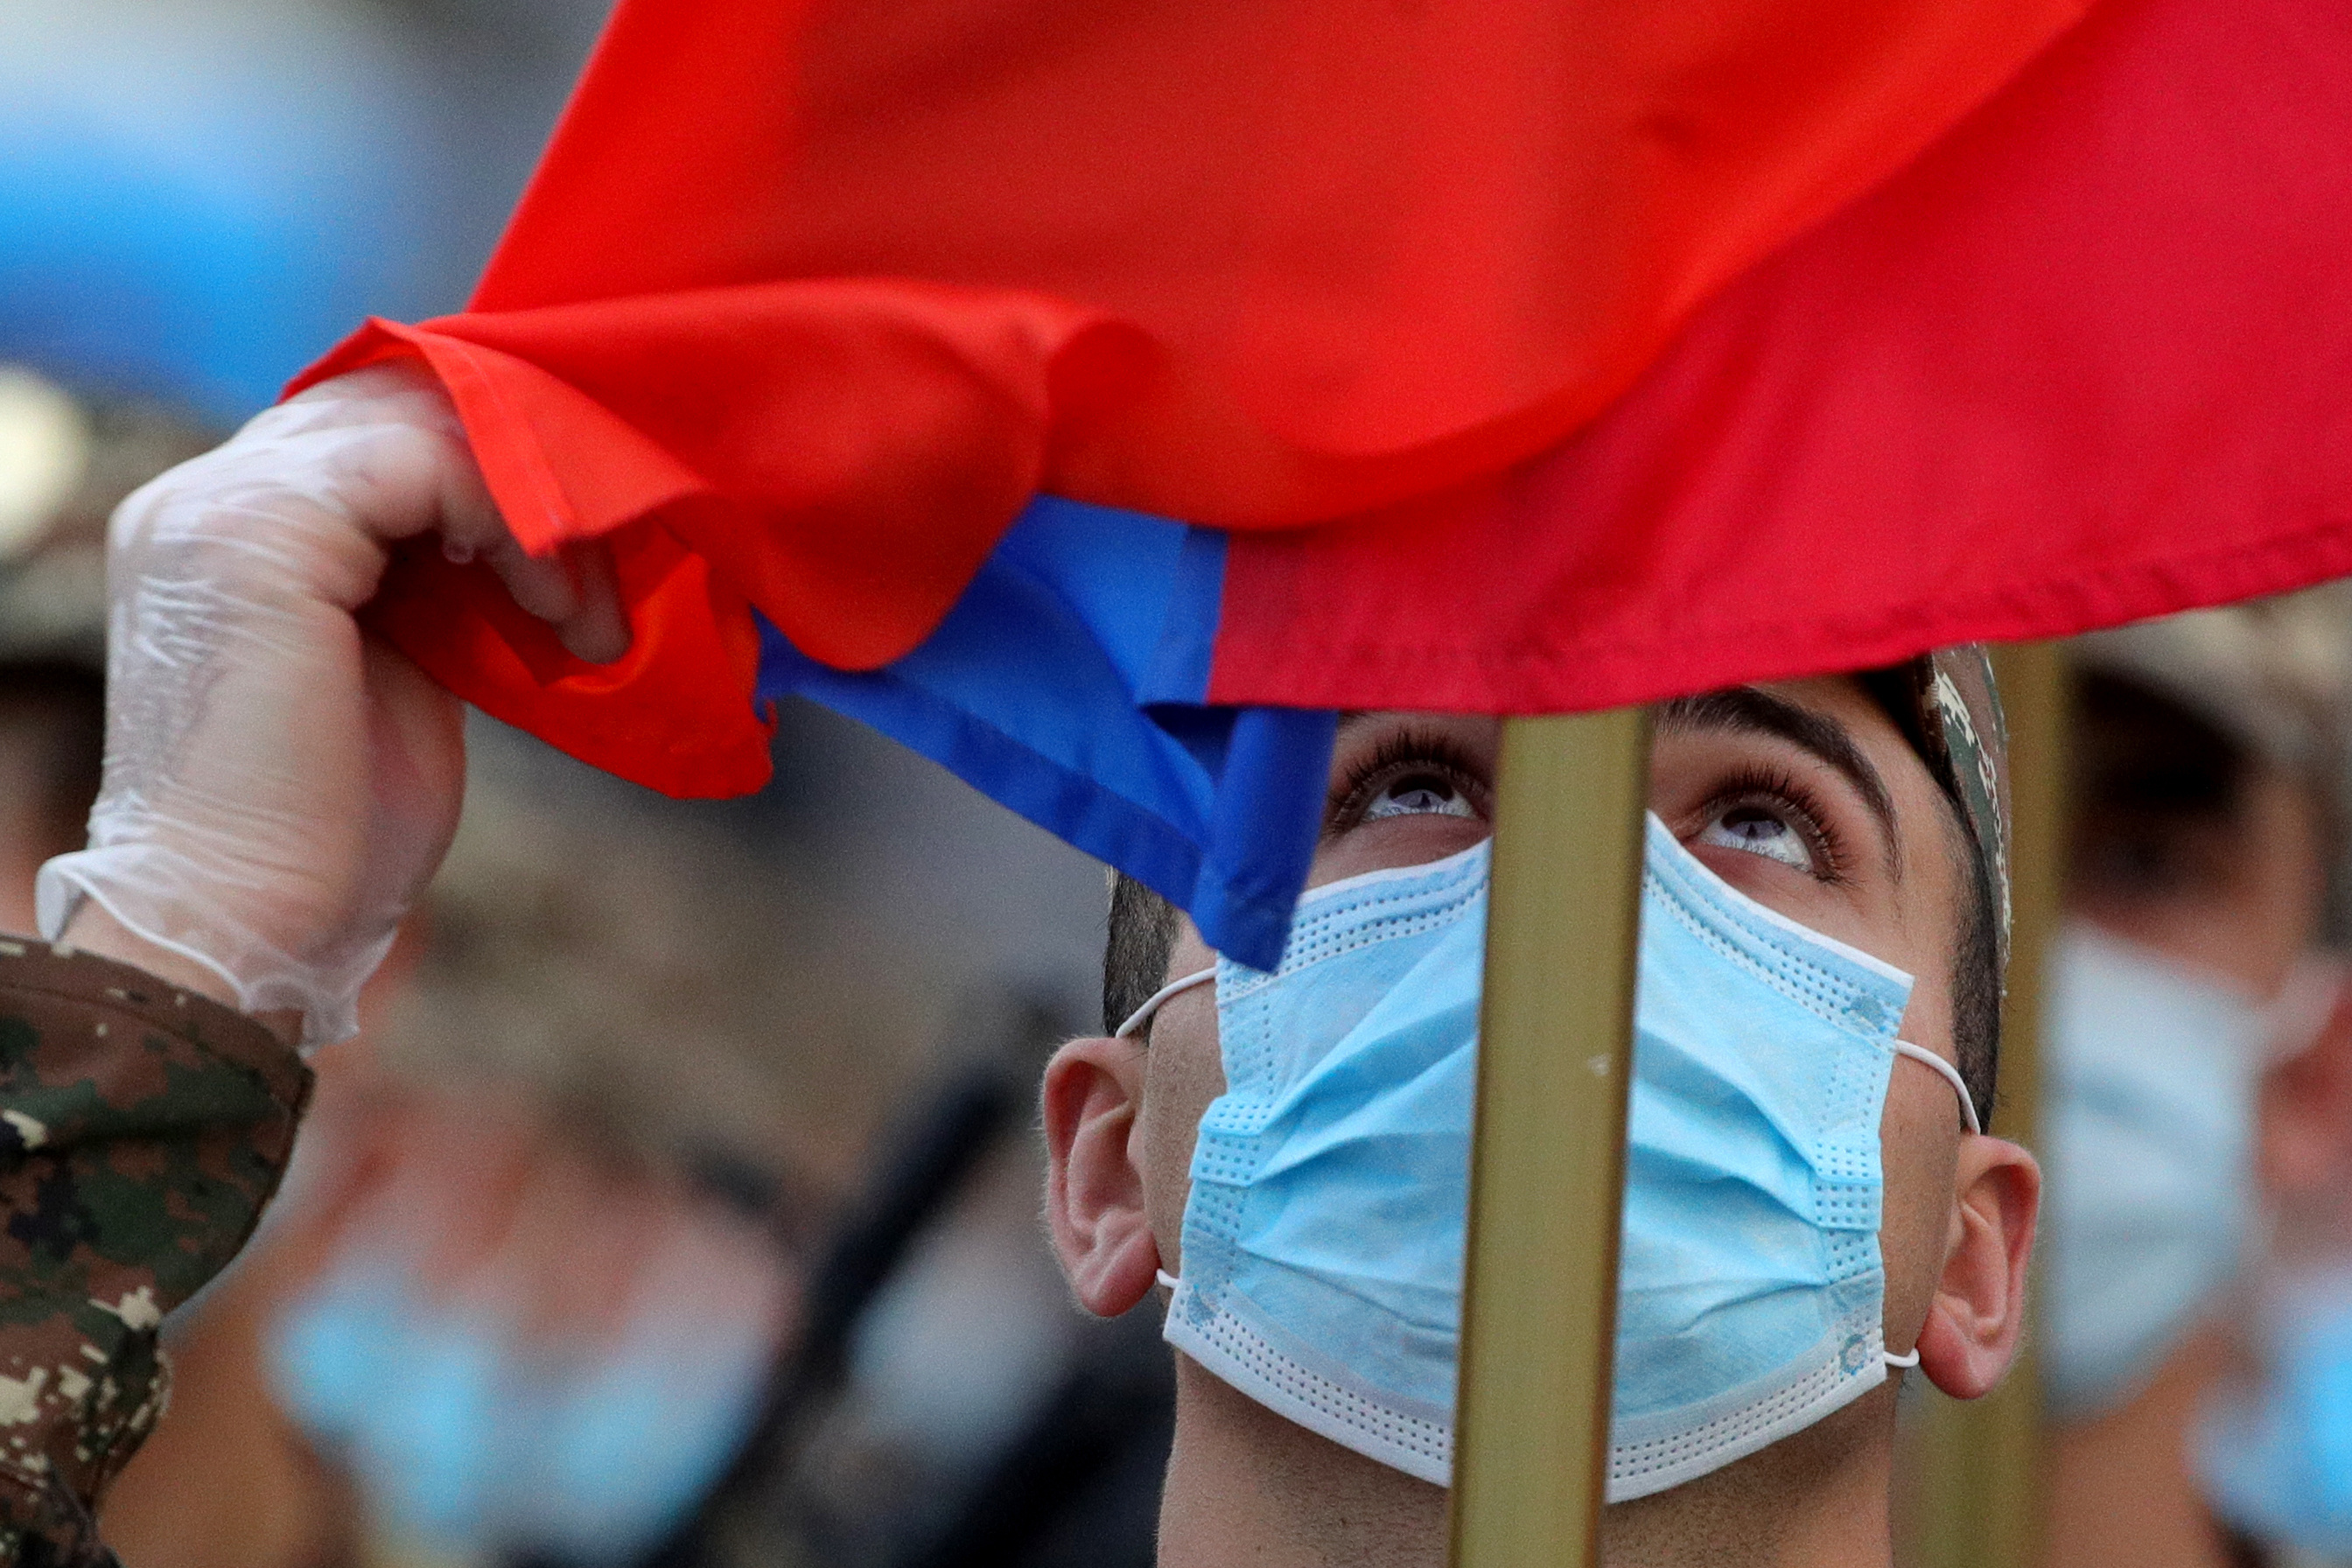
2149,1138
2276,1454
464,1437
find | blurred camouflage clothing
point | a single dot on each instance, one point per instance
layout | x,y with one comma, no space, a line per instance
141,1130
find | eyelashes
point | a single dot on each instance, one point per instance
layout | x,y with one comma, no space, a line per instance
1399,756
1763,784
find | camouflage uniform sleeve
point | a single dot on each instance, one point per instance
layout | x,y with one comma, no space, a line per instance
141,1130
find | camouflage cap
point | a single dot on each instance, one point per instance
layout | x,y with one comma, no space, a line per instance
1948,708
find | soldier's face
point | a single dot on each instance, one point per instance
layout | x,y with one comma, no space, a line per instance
1803,794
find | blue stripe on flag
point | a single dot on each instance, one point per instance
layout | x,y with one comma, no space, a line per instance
1066,684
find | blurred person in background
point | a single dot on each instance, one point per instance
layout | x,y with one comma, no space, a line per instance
2200,1086
195,196
193,199
522,1344
551,1223
498,1316
743,993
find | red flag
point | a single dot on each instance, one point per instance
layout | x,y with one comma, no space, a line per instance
2085,361
806,302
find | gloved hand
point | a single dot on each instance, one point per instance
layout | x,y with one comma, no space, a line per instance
279,787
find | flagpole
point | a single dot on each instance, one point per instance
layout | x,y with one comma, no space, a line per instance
1977,1465
1547,1160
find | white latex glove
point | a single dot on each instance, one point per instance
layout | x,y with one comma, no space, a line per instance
278,788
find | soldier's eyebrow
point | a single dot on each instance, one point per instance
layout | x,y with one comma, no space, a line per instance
1743,710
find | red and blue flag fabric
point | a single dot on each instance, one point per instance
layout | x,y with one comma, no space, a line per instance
1067,682
1095,397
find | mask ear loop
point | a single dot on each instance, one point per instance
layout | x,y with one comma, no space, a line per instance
1142,1016
1926,1057
1151,1003
1952,1074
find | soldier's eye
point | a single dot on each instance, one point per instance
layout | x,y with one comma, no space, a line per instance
1759,830
1773,815
1410,775
1418,795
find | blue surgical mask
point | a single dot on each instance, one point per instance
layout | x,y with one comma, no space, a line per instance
1324,1238
2275,1453
2149,1134
463,1439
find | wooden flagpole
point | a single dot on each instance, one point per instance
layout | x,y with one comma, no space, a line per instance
1547,1163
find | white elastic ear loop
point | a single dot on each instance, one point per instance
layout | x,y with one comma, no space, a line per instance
1926,1057
1142,1016
1151,1003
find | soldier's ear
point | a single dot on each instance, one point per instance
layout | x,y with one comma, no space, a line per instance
1094,1185
1977,1316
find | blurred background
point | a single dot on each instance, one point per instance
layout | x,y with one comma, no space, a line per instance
680,1202
677,1207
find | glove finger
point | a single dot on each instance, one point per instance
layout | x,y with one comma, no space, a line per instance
575,591
541,583
599,632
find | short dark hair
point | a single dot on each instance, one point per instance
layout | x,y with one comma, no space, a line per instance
2145,770
1976,970
1142,938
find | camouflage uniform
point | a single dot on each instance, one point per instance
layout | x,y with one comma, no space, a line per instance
141,1130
